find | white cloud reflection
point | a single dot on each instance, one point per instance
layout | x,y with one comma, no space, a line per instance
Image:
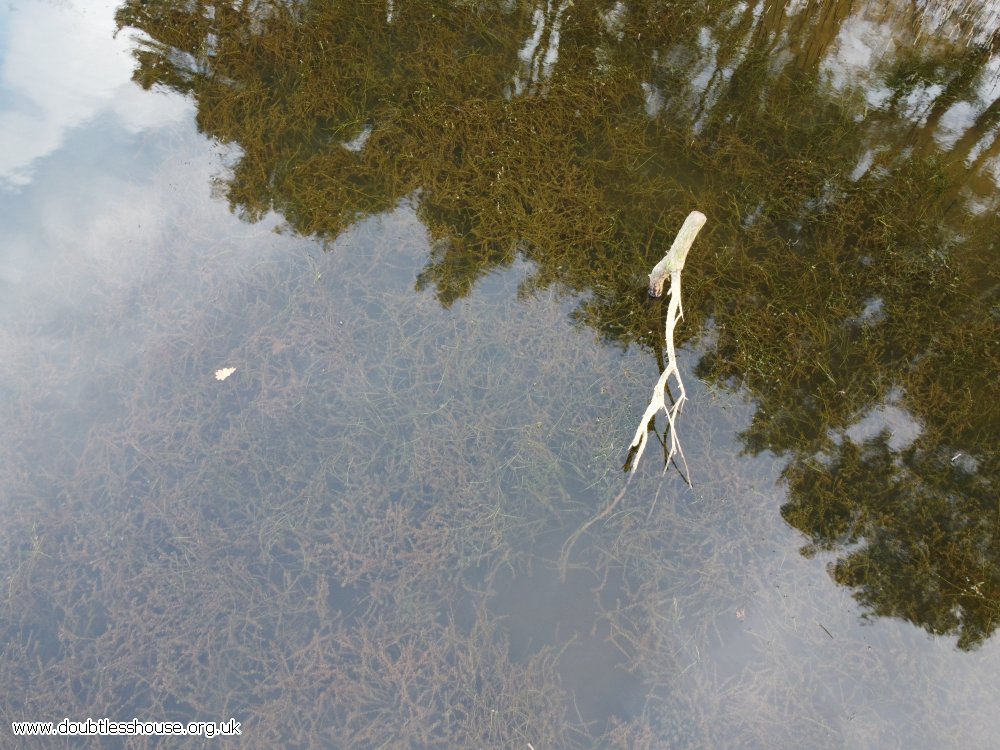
60,68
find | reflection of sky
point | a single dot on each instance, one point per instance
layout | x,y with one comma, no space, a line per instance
859,46
67,108
82,214
539,54
889,417
60,68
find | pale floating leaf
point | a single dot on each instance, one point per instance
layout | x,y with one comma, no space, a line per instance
224,373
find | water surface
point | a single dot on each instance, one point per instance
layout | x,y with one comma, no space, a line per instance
420,234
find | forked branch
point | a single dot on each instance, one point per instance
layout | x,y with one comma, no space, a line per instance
671,265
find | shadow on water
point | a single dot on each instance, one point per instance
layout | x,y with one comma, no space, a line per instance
363,519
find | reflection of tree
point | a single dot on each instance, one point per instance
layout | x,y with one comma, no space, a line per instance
291,87
839,262
928,529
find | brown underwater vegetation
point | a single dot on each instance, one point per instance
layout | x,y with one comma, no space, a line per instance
342,522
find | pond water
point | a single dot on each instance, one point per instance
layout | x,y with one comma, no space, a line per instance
418,235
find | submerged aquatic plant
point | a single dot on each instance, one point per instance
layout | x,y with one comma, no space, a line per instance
822,203
338,526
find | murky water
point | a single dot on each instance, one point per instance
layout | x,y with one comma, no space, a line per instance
419,233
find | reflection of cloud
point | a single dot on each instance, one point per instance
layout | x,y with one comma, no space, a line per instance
903,429
357,143
47,88
87,233
653,97
860,45
614,20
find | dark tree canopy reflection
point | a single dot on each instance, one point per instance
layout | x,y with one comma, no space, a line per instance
849,259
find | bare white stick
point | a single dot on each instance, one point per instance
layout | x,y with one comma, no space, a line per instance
673,261
671,265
